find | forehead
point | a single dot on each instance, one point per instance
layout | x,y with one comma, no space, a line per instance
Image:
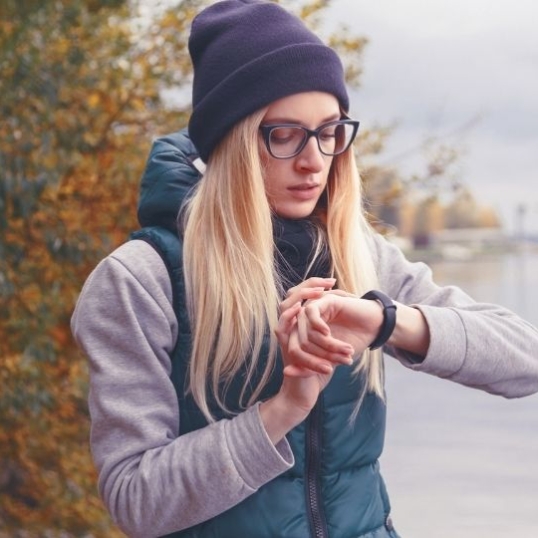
309,108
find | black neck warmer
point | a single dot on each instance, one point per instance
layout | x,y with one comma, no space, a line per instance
295,242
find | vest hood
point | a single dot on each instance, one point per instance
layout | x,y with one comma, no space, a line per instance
168,178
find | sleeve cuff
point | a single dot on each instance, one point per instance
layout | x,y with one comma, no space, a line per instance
257,461
448,343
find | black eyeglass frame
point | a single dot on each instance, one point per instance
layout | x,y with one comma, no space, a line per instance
266,131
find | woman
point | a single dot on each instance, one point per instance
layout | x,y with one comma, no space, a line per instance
236,376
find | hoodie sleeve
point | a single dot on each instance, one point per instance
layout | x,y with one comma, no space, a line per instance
479,345
153,481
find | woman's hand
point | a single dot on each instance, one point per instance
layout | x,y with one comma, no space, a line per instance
299,393
337,351
304,394
328,322
339,317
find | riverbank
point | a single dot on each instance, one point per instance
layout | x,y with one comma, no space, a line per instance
460,463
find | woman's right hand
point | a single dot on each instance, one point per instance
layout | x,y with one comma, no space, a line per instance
298,393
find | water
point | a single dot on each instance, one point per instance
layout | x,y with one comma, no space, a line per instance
460,463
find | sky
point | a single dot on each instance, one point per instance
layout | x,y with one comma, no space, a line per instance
464,72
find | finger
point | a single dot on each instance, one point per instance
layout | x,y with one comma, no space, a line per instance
314,319
317,282
318,359
286,323
311,366
341,293
313,282
303,359
313,358
301,294
311,288
329,348
321,342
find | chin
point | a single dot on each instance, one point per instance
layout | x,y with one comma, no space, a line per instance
294,213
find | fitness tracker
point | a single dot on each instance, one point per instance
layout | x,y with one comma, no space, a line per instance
389,317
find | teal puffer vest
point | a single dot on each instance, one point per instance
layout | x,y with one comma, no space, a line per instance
334,489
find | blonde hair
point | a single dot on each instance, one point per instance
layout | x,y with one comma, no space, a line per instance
233,288
349,237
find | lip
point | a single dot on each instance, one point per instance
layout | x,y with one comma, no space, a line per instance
305,191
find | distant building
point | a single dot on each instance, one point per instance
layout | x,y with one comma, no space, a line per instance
470,240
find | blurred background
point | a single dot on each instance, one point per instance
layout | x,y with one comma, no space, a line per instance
446,95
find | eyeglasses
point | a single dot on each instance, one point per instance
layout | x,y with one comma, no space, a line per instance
287,140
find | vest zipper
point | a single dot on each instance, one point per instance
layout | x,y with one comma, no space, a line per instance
316,514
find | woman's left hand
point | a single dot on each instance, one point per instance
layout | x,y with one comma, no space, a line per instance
328,322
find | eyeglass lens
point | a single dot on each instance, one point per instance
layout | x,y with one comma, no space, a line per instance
332,139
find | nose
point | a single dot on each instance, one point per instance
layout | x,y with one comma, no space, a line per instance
311,159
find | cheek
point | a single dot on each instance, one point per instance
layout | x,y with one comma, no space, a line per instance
268,172
272,174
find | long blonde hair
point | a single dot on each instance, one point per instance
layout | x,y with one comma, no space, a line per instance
232,285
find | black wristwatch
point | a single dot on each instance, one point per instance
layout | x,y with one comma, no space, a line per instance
389,317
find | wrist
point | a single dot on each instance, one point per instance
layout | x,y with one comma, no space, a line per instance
411,332
279,416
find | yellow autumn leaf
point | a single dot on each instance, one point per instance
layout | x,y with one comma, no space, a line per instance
93,99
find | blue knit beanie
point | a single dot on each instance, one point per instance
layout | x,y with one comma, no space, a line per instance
247,54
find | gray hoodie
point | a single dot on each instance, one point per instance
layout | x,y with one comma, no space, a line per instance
154,482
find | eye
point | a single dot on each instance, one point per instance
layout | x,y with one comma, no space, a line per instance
286,135
327,133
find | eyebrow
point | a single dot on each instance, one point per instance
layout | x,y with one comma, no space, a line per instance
295,121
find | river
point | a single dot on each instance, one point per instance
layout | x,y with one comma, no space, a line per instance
460,463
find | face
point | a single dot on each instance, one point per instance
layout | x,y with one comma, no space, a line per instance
294,186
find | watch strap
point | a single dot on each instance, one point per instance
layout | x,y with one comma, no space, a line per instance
389,317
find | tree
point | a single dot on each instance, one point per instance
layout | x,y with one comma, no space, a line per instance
85,85
81,96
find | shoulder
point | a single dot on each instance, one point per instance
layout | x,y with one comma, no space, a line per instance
134,269
398,276
384,253
143,262
128,292
388,255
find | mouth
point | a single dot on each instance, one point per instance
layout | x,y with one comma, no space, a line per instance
304,187
305,191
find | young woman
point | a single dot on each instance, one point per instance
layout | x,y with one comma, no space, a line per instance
236,371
